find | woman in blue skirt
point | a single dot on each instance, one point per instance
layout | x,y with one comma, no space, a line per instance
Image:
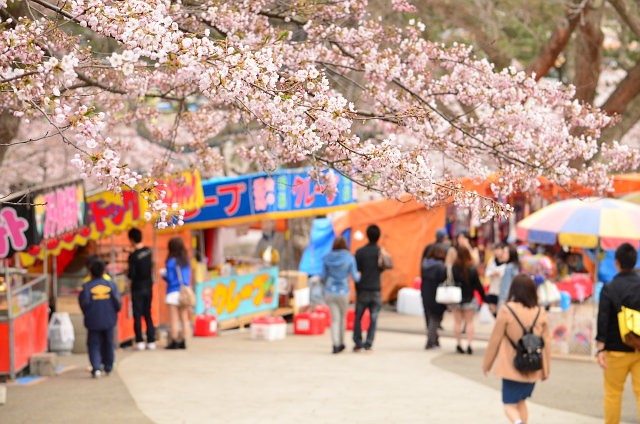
517,386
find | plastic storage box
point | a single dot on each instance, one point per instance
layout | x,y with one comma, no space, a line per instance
309,323
410,302
324,309
205,326
351,318
268,328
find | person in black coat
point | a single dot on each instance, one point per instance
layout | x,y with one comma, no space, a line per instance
433,273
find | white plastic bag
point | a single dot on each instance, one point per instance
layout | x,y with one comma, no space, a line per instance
485,316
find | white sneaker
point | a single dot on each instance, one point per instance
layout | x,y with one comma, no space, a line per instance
97,374
151,346
140,346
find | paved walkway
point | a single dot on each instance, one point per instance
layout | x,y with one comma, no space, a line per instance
233,379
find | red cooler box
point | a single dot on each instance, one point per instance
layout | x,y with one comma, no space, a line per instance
351,319
324,309
205,326
309,323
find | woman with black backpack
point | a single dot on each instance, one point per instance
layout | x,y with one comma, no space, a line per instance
521,343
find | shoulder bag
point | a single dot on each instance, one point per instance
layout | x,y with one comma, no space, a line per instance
187,298
448,293
384,259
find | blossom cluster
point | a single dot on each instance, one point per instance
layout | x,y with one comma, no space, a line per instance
307,81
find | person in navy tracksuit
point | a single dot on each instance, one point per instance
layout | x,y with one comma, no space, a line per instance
100,302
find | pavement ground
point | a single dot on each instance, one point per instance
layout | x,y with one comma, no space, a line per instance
233,379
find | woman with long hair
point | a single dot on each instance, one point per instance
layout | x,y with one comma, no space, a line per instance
178,273
517,386
465,275
337,266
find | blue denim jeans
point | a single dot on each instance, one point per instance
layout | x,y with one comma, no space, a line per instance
366,300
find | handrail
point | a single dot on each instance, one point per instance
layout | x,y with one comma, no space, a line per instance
30,284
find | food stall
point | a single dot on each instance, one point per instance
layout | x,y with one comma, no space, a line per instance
25,219
109,216
236,288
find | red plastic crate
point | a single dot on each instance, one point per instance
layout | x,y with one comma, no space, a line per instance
309,323
351,318
205,326
326,311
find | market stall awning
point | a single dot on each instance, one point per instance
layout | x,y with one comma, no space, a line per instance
287,193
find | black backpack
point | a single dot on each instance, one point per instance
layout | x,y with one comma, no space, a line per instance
529,347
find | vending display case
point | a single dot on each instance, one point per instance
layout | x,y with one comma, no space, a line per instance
24,313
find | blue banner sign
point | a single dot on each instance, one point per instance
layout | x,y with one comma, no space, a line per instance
280,193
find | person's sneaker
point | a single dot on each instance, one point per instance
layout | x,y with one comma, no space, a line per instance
151,346
357,349
173,345
368,349
469,350
96,374
341,348
459,349
336,349
182,345
140,346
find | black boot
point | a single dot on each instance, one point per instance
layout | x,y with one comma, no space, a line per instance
173,345
182,345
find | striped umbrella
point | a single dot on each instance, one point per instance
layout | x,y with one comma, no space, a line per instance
587,223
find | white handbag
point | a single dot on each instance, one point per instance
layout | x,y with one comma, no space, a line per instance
548,293
448,293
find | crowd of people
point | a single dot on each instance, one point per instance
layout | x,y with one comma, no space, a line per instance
519,348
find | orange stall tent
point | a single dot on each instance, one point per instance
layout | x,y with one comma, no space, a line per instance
407,227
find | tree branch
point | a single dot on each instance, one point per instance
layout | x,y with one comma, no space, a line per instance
630,17
626,91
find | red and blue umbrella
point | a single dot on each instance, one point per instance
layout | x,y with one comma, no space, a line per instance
587,223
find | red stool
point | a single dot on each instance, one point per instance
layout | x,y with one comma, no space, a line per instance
205,326
351,319
309,323
326,311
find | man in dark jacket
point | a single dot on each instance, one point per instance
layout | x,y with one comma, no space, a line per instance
433,273
140,274
614,356
368,288
100,302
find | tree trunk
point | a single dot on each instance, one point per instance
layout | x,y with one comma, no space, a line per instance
9,126
556,45
588,49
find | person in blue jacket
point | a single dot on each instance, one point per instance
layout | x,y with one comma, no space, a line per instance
177,273
337,265
100,303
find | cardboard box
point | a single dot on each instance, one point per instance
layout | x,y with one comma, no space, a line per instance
297,280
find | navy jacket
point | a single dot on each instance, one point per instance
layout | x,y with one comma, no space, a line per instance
100,302
433,273
624,289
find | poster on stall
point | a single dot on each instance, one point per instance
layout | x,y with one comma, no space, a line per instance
60,210
238,295
17,224
109,212
285,193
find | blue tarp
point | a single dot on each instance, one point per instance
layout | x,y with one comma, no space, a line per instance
321,242
607,268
